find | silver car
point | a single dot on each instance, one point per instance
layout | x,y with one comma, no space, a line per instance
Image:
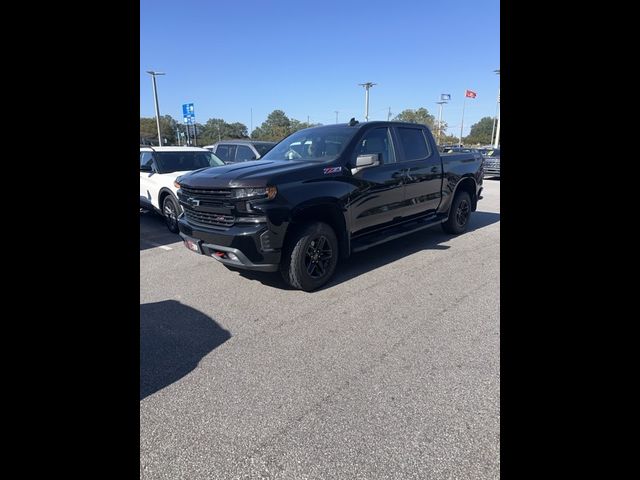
234,151
491,162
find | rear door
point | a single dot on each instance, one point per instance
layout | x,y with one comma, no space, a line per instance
377,200
422,169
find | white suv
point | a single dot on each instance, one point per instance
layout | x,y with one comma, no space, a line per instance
159,167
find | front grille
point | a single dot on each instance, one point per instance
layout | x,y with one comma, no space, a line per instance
209,219
206,194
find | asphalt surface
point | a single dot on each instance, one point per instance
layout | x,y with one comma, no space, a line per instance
392,371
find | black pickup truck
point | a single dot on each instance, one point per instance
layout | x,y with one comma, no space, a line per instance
325,192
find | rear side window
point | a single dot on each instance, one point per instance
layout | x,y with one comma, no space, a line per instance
225,152
244,154
413,143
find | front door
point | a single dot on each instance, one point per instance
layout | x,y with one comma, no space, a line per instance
377,200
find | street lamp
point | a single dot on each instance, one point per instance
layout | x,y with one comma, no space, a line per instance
155,96
366,86
497,139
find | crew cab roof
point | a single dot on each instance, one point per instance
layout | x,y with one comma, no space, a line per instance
381,123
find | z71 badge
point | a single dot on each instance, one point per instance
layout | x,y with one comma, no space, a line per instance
332,170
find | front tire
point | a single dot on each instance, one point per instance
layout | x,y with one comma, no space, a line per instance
311,257
458,214
170,210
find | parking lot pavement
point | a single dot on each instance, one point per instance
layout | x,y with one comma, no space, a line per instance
154,233
391,371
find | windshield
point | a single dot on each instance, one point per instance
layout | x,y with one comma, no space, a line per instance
184,161
263,148
315,144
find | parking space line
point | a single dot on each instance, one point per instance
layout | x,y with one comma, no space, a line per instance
163,247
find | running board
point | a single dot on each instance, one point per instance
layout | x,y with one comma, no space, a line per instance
371,240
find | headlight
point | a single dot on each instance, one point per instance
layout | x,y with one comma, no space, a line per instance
269,192
176,184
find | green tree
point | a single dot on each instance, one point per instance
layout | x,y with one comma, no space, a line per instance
209,131
298,125
237,130
278,126
257,134
480,132
448,140
274,128
217,129
421,115
149,130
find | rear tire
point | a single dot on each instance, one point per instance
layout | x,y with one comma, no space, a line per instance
311,257
170,210
459,214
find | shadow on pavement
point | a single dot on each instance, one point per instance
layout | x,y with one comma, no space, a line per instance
376,257
173,339
154,232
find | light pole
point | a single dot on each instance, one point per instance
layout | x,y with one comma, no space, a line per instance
464,102
440,119
336,115
497,140
155,96
366,86
493,124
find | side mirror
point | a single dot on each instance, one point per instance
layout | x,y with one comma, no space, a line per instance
366,161
146,168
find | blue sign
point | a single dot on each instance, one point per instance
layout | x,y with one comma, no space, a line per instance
445,96
188,113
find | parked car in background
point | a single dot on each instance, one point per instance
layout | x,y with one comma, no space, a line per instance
234,151
491,162
159,167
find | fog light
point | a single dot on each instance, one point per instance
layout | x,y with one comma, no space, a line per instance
232,256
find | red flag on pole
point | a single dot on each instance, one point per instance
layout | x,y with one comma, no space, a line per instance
470,94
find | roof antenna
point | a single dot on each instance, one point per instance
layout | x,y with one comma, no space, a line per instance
353,122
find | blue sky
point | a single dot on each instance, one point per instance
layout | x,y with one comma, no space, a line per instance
307,58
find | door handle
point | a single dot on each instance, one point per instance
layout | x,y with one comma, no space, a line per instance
400,173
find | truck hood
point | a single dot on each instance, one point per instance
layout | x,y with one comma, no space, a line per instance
255,173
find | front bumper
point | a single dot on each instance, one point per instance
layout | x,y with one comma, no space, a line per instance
241,246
